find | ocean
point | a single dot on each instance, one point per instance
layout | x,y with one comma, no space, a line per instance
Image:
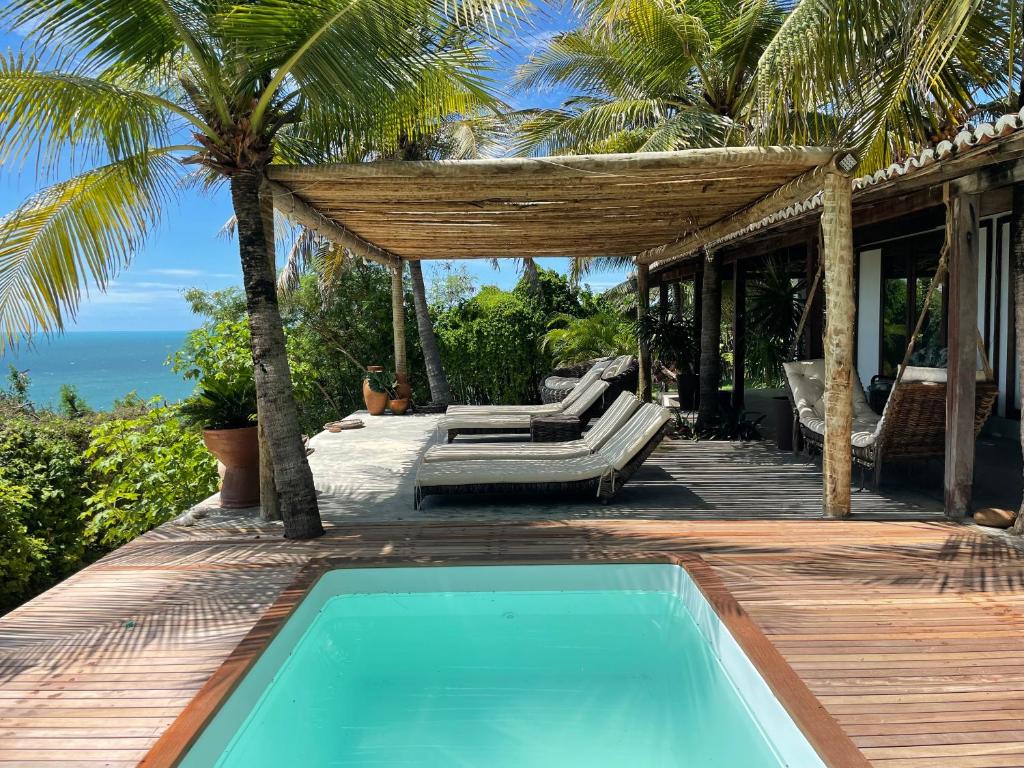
101,365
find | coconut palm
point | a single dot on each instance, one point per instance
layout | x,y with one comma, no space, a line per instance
885,76
129,93
650,75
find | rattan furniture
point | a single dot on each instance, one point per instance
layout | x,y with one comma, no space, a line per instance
600,474
554,429
912,426
583,407
605,428
561,381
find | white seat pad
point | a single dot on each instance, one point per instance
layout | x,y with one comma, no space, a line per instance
490,451
510,471
807,383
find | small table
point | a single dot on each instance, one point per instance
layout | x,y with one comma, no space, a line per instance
555,428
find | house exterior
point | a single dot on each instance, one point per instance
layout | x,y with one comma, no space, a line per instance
899,219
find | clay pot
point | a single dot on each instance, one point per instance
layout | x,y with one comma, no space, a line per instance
399,406
403,390
376,402
238,451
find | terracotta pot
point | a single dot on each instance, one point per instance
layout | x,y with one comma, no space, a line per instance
399,406
238,451
403,389
376,402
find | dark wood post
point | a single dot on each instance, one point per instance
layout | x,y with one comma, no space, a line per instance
963,354
814,328
663,301
698,314
1016,294
739,333
710,340
677,299
643,301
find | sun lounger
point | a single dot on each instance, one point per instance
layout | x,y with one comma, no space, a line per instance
601,473
583,407
603,430
594,374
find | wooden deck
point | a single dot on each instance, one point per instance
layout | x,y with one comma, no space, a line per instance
907,632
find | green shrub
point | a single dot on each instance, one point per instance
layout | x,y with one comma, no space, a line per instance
490,346
145,470
22,556
573,340
40,456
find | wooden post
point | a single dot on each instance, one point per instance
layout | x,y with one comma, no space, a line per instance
677,299
663,301
643,300
1016,294
837,239
710,340
962,335
698,310
398,322
739,333
816,316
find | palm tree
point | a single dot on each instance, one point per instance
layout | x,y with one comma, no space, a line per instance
885,76
650,75
141,89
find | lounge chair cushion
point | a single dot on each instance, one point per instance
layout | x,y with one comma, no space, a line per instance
618,366
570,449
517,420
491,472
807,383
586,399
561,382
933,375
594,374
612,421
637,432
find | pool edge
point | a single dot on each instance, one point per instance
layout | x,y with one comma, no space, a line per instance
820,729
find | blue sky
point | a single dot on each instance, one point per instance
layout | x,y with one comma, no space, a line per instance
186,252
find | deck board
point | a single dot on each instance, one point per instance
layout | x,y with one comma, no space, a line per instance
907,631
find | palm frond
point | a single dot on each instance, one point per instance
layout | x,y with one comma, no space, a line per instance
75,233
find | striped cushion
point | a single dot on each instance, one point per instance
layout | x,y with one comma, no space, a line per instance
589,396
638,431
612,421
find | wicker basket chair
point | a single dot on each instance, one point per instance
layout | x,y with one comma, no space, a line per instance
624,377
912,426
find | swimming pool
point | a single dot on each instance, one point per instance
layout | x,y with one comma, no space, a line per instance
502,666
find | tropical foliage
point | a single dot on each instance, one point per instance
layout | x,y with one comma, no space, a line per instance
572,340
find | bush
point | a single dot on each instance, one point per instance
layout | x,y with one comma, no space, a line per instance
145,470
22,556
42,465
574,340
490,346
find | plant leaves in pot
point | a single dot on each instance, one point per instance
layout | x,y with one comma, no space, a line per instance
226,412
376,386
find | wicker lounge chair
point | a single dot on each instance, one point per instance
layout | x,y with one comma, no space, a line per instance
623,375
603,430
583,406
561,381
592,375
601,473
912,426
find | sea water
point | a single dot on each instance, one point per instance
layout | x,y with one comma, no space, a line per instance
101,365
502,680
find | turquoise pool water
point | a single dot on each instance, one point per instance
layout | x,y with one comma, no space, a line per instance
571,676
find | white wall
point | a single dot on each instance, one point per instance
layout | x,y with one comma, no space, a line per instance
869,313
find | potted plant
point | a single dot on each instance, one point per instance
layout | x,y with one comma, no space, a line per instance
375,390
226,412
672,342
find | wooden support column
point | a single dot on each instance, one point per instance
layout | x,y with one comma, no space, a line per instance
962,332
663,301
813,330
643,301
837,240
398,323
698,314
677,299
710,340
739,333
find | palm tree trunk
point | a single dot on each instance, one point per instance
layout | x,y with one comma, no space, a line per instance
710,342
292,475
1017,265
532,275
270,505
440,393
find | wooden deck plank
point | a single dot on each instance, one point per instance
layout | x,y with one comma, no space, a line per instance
905,631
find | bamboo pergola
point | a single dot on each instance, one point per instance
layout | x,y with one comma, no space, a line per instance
645,206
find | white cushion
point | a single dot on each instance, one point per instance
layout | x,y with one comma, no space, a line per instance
619,365
637,432
585,381
933,375
490,472
503,410
807,382
501,451
561,382
612,421
484,421
589,396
